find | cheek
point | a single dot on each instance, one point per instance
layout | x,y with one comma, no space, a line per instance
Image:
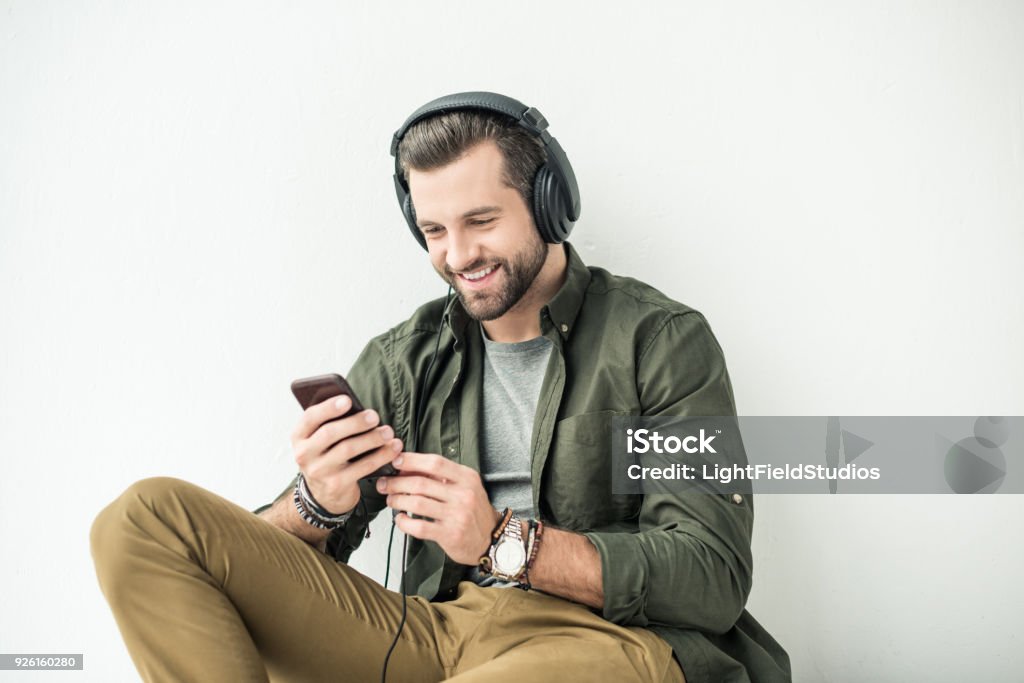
437,257
524,229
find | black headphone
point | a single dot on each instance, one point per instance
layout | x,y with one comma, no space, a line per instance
556,196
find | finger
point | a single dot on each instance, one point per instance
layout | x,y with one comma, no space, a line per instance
316,414
417,528
329,411
415,484
417,505
374,461
432,465
354,446
332,432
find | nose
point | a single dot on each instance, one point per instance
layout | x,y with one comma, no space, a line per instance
463,251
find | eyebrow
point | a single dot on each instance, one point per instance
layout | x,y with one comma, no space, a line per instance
472,213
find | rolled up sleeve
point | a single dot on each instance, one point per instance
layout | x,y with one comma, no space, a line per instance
689,565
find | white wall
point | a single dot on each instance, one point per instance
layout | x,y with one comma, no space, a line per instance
196,208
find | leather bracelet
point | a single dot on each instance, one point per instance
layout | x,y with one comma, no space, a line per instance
316,508
304,514
312,512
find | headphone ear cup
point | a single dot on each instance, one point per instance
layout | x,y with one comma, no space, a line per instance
549,209
410,217
541,203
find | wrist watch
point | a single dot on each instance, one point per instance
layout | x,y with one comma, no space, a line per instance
508,553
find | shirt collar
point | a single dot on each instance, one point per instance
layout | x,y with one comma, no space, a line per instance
565,305
561,310
456,318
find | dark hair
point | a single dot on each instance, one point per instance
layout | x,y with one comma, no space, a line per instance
439,140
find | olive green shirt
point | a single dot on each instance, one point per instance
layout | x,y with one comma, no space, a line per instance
679,565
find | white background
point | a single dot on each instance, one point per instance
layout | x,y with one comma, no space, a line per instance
196,208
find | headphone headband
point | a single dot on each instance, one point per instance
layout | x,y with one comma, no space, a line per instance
556,195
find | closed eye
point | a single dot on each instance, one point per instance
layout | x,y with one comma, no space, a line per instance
481,222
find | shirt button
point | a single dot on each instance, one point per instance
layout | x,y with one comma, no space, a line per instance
565,328
737,498
451,450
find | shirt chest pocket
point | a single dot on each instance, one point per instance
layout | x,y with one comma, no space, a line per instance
578,475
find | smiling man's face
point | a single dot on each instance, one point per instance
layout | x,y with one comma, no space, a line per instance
479,231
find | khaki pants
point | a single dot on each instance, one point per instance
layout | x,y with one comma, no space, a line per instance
204,590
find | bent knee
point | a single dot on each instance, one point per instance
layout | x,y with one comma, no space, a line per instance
145,495
158,488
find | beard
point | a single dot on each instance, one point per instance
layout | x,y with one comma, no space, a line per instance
518,274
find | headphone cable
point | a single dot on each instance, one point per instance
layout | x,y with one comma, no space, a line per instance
405,539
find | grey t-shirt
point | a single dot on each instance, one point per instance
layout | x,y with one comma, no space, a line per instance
513,374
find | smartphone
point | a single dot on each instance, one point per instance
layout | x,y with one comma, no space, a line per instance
312,390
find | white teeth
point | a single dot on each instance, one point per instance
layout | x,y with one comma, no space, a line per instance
479,274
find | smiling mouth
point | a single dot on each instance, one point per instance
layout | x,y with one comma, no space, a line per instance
478,279
478,275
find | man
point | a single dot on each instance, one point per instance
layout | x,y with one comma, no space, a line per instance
508,390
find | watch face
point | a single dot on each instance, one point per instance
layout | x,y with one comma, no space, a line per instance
509,556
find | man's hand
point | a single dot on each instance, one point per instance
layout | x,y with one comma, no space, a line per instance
451,495
324,449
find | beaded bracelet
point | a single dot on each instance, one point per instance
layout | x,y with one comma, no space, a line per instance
314,507
314,513
532,544
499,529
